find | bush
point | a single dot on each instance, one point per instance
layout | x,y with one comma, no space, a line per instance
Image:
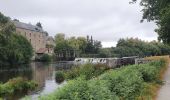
16,85
150,72
59,76
133,82
73,73
81,89
44,58
125,82
87,70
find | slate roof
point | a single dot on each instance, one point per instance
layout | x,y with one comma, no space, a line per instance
50,38
27,26
42,50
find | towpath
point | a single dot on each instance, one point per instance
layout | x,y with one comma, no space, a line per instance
164,92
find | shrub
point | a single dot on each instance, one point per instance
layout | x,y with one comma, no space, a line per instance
44,58
16,85
125,82
158,63
150,72
59,76
87,70
81,89
73,73
134,82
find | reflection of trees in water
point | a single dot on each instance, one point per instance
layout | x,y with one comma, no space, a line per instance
64,65
7,73
38,72
41,73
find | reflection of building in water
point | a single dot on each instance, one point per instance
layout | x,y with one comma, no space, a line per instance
41,73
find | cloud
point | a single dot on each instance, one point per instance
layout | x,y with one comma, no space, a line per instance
106,20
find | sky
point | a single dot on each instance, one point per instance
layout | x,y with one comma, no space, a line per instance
105,20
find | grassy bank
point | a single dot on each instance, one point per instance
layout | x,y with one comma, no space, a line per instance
134,82
16,85
89,71
154,88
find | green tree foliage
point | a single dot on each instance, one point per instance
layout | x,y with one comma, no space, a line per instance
93,46
106,53
14,49
164,25
44,58
158,11
136,47
68,49
62,49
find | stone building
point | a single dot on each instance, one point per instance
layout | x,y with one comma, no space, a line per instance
34,34
50,41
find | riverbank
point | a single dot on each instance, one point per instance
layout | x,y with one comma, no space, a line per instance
129,82
159,91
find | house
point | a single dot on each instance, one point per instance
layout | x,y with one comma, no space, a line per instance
35,35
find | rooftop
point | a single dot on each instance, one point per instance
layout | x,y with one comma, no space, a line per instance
28,26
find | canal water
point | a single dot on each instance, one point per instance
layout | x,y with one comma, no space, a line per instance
42,73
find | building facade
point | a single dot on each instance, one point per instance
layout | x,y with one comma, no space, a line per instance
34,34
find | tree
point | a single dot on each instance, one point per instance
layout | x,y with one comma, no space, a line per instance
60,37
93,46
14,49
164,25
158,11
69,48
137,47
39,25
62,49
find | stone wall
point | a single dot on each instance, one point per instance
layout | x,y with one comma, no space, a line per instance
37,39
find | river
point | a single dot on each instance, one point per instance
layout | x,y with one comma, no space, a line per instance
42,73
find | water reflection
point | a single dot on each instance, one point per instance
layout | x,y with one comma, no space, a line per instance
43,74
7,73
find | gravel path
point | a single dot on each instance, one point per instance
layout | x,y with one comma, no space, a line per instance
164,93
